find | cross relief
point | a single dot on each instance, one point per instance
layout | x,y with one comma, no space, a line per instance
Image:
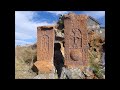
75,39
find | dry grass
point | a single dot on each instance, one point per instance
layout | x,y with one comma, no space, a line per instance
24,57
95,53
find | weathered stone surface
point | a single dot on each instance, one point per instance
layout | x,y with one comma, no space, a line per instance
75,55
72,73
45,48
45,76
45,43
77,73
44,66
76,40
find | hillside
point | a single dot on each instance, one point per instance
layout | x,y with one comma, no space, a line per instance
24,58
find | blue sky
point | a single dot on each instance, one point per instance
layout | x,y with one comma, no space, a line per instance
26,23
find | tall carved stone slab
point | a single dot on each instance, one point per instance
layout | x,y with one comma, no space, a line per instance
45,49
76,40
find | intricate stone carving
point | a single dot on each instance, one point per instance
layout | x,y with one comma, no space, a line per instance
45,48
75,40
76,55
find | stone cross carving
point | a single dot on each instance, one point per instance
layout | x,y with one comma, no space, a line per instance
45,49
75,40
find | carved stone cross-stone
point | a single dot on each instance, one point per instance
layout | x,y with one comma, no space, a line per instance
76,40
45,49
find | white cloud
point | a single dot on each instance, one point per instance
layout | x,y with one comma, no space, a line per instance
25,28
95,14
22,36
58,12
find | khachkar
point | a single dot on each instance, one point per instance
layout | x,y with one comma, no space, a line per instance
45,49
76,40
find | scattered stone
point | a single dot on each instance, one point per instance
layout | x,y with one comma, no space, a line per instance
45,76
73,73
